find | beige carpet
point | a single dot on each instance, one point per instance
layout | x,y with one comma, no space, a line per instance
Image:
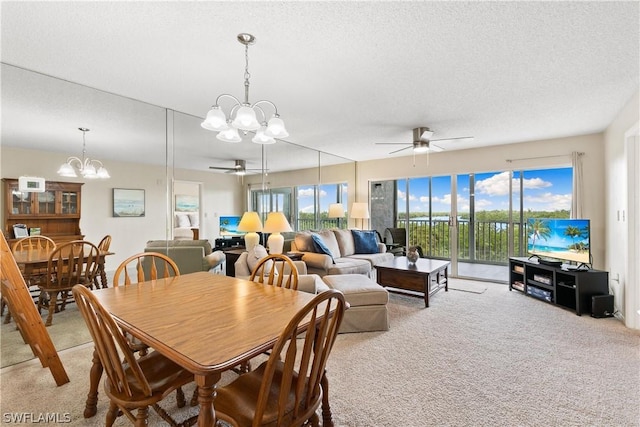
68,330
498,358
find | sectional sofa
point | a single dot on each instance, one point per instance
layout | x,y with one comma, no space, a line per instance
339,251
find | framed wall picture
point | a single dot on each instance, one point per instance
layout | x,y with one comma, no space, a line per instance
187,203
128,202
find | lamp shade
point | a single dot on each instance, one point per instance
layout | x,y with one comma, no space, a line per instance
360,210
250,223
336,210
276,222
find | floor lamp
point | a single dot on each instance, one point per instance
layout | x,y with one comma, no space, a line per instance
360,211
275,224
250,223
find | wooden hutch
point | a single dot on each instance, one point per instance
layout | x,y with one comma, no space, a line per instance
56,211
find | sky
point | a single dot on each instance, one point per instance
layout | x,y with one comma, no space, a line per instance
545,189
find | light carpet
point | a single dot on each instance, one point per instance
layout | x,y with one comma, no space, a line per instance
499,358
68,330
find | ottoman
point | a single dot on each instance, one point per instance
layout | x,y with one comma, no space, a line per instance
367,302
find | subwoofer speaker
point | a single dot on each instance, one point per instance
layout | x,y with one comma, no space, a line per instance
602,306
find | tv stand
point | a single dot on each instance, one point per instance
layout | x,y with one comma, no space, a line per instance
570,289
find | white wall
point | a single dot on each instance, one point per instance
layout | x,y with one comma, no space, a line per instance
222,196
615,200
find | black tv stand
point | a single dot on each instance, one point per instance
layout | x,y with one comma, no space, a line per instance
570,289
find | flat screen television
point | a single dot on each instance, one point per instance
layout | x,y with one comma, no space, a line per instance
229,226
561,239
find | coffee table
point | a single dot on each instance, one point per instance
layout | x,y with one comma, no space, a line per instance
426,275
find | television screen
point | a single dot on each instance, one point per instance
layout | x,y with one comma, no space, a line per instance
563,239
229,226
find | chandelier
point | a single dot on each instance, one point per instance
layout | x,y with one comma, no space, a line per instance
88,168
243,116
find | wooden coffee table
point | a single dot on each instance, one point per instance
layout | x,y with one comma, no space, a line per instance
426,275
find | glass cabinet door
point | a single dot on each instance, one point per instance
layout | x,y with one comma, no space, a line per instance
69,202
21,202
47,202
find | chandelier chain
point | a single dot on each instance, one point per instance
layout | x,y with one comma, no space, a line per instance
247,75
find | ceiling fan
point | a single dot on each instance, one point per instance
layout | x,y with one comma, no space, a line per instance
240,168
422,142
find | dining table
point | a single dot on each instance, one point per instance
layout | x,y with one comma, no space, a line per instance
206,323
32,261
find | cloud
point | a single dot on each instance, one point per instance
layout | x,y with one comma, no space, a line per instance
308,192
498,184
548,202
307,209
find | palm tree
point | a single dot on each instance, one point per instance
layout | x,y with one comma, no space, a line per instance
574,232
539,230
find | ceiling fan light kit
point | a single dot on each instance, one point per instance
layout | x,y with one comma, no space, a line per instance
243,116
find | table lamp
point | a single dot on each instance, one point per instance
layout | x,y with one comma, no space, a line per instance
250,223
336,210
360,211
275,224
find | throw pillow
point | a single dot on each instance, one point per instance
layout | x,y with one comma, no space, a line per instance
255,255
321,247
183,220
194,219
365,241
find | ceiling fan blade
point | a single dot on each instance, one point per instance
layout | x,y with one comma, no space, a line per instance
452,139
402,149
222,169
435,148
392,143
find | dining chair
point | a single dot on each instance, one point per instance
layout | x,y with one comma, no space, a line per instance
104,246
132,383
69,264
32,243
143,266
26,244
288,388
277,270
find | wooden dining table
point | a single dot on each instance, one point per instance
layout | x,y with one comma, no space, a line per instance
204,322
34,260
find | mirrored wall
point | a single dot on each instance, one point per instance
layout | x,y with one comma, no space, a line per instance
164,153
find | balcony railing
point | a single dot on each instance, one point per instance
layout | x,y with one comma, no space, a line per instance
488,244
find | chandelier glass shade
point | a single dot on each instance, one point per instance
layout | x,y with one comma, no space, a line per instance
244,116
88,168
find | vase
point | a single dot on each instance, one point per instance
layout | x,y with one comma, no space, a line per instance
412,256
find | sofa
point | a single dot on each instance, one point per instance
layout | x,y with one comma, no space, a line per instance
339,251
189,255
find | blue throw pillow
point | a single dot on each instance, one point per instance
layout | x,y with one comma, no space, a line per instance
320,246
365,241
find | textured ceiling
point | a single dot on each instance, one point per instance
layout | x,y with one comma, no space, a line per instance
344,75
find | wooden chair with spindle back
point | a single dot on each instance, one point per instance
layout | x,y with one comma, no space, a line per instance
140,268
288,388
70,264
276,270
104,246
132,383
